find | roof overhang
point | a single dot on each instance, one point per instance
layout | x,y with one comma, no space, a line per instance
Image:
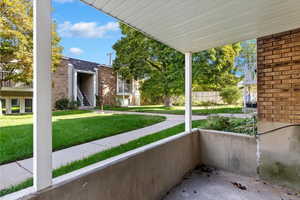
195,25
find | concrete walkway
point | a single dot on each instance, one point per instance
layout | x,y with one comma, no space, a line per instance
16,172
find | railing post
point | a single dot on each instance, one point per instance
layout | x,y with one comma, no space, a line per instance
188,92
42,125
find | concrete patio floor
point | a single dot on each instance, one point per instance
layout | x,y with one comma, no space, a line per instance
211,184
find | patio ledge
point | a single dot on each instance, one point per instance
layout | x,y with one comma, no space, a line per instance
59,181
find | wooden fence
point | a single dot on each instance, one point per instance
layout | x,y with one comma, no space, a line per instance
211,96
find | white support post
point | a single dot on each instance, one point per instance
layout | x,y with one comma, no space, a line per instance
8,105
188,92
42,125
75,85
95,87
22,105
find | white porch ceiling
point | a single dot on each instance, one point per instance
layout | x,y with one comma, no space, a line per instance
195,25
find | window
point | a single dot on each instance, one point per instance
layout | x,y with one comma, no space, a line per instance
28,105
124,86
15,105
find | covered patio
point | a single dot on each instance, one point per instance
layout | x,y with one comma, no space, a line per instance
187,26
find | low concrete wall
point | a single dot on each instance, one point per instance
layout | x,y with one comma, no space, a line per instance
229,151
146,173
280,154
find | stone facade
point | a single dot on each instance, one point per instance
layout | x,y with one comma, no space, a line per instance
278,59
107,85
60,87
106,76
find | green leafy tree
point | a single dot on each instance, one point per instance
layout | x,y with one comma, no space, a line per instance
16,41
246,61
162,68
231,94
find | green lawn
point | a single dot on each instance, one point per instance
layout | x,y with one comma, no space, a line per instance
108,154
179,110
69,128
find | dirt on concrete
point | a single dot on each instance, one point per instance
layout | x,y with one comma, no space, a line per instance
206,183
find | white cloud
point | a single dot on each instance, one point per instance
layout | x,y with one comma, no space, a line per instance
86,29
76,51
63,1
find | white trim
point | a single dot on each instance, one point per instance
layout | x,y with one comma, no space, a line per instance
70,81
8,105
75,85
42,86
22,104
17,89
83,71
94,88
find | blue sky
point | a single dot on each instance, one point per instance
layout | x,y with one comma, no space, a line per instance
86,33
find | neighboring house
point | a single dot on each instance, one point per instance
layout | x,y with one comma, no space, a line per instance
76,80
250,87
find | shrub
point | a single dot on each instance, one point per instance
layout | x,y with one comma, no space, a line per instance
231,95
246,125
73,105
66,104
62,104
178,100
204,103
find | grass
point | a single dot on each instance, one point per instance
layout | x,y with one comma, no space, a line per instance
179,110
107,154
69,128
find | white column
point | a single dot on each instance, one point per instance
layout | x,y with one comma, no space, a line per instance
95,87
75,85
1,112
42,125
70,81
188,92
22,105
8,105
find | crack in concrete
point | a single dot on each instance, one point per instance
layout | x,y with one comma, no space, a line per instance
23,167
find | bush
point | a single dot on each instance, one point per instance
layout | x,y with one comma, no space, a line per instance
73,105
231,95
178,100
246,126
62,104
66,104
204,103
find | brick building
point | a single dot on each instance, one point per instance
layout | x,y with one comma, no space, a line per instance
74,79
278,65
278,58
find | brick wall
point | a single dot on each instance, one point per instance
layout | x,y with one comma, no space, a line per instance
278,65
60,82
108,88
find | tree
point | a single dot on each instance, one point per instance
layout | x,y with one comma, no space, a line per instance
231,94
16,41
246,61
162,68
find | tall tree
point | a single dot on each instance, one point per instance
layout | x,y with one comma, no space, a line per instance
162,68
16,41
246,61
